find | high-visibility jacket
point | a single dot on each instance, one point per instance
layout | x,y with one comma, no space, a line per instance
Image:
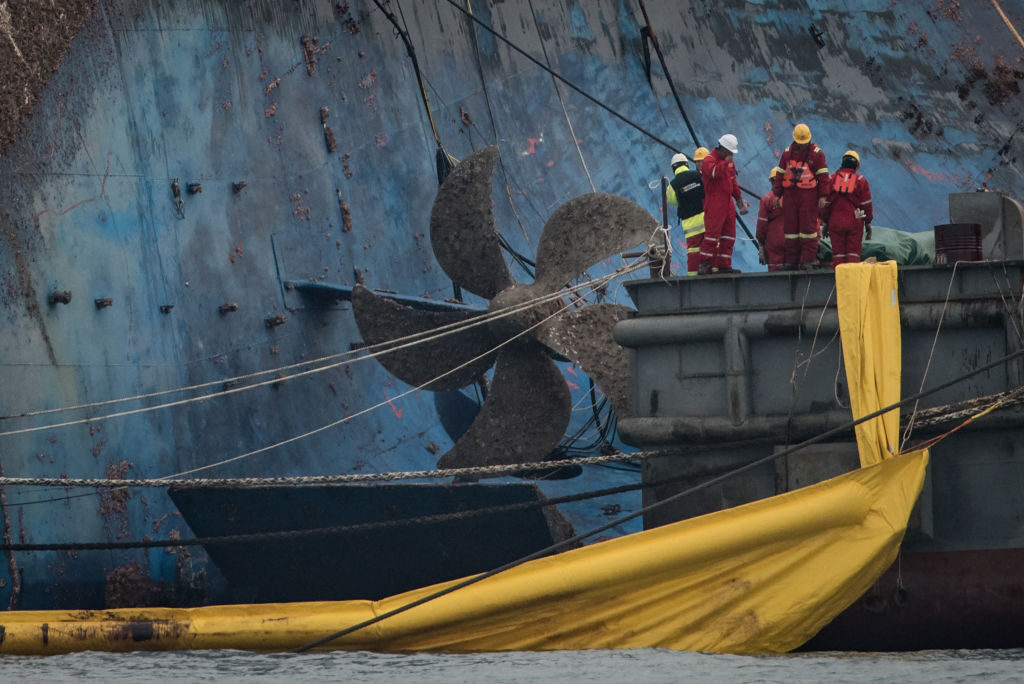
848,191
686,191
803,169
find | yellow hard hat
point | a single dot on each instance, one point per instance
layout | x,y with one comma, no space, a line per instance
700,153
802,134
774,172
851,153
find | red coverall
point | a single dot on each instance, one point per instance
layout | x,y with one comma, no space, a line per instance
770,231
720,189
805,179
849,191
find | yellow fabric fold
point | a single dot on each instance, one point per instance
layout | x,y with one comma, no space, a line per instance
869,324
760,578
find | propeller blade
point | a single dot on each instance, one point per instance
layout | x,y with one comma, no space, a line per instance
456,411
584,336
380,320
585,230
462,232
524,416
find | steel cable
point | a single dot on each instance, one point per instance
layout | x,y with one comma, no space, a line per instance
646,509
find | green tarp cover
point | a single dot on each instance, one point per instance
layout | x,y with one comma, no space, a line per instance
906,249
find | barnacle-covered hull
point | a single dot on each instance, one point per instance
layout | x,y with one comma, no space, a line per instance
302,151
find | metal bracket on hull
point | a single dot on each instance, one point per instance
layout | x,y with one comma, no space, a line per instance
327,293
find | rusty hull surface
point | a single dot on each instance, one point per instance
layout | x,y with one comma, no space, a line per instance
104,104
958,599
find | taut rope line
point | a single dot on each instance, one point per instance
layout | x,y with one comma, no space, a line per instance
416,338
346,419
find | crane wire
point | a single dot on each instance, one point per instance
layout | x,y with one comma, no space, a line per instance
561,78
559,546
558,92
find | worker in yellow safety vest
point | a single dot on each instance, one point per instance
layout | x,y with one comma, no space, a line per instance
686,192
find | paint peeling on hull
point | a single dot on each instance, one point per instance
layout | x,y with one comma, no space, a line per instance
229,96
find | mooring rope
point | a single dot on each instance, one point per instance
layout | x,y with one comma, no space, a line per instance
425,336
811,355
1014,316
375,350
793,378
909,430
646,509
389,400
336,529
315,480
164,481
1017,394
939,415
1009,24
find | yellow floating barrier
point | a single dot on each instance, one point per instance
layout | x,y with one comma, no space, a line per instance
760,578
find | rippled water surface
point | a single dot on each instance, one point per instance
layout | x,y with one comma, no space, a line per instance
648,665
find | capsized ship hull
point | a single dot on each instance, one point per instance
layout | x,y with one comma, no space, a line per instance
451,536
229,98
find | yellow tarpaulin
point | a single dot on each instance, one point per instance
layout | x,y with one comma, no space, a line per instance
869,324
759,578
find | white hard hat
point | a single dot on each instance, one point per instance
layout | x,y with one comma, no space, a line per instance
728,141
679,158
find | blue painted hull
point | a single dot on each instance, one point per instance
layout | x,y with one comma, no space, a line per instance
217,92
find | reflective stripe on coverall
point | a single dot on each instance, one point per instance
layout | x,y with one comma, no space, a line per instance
692,225
805,179
849,191
770,231
720,189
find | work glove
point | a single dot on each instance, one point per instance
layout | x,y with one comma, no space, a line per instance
859,213
822,201
867,231
742,206
761,258
824,230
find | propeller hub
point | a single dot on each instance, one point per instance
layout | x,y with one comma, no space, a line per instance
511,325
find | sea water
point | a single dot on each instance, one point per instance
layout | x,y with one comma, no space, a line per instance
642,665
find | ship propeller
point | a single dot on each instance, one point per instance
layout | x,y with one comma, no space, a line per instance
528,406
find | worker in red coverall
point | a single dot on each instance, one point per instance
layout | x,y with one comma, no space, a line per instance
804,189
720,190
770,232
847,213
